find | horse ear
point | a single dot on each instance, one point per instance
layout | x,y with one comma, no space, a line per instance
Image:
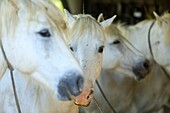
107,22
100,18
158,18
70,18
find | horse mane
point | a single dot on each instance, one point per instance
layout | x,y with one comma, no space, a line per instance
120,29
9,12
112,30
117,30
86,25
166,18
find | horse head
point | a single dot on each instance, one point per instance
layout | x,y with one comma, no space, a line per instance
87,43
122,56
33,43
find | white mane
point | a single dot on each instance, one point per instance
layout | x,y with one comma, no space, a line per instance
166,18
123,29
86,24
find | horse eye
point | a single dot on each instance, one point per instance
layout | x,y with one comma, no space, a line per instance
116,42
100,50
72,49
44,33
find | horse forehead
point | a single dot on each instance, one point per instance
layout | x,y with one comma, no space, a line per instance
88,27
32,12
41,16
90,42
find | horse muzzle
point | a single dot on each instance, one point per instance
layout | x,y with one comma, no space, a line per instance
141,69
70,85
84,98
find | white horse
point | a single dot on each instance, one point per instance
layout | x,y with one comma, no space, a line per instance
32,41
120,55
86,40
128,96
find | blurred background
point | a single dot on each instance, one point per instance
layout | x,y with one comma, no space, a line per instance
127,11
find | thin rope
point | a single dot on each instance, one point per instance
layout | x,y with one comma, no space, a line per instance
12,79
15,93
149,39
101,110
114,111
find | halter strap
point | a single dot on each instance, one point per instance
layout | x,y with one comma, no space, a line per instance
149,38
12,78
100,108
150,48
104,96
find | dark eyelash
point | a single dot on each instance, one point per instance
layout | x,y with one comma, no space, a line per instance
44,33
71,48
116,42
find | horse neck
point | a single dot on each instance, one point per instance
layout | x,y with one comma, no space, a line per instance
3,64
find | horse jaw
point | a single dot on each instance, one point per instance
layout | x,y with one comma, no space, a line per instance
3,64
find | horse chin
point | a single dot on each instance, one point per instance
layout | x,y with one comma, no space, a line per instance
139,76
83,105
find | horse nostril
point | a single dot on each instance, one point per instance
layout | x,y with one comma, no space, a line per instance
91,91
87,97
146,64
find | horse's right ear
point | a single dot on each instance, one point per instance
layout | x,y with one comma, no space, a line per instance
100,18
106,23
158,18
70,18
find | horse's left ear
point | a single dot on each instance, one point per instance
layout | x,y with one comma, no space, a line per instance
107,22
70,18
100,18
158,18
